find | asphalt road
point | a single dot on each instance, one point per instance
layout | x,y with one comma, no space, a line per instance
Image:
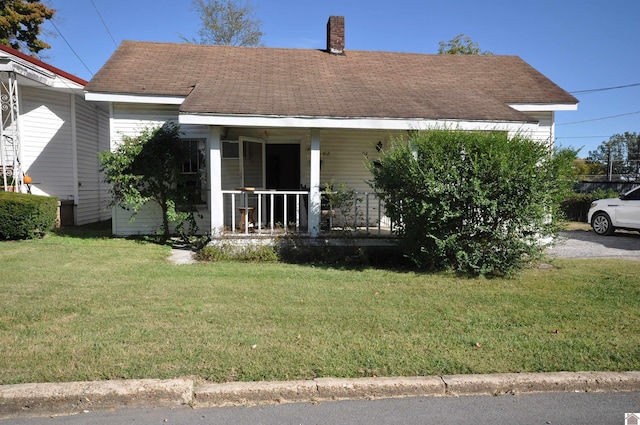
544,409
587,244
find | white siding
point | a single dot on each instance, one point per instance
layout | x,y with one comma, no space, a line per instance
344,156
148,221
92,130
45,131
131,119
544,132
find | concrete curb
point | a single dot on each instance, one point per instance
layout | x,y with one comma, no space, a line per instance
29,400
518,383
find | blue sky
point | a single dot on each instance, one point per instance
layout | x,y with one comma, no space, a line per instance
578,44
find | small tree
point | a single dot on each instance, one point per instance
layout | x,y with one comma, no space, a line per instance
227,22
20,22
476,202
461,44
147,168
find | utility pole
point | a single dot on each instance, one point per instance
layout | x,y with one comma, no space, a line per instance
609,162
637,158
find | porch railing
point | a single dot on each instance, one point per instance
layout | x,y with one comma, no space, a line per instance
273,212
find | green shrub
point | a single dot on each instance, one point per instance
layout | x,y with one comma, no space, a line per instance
477,202
249,253
26,216
576,206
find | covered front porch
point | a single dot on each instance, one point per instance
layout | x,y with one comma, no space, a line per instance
270,182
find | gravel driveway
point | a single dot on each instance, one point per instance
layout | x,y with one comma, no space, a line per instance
586,244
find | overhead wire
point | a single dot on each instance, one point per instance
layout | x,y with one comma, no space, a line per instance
74,52
580,137
600,118
604,89
104,23
69,44
588,91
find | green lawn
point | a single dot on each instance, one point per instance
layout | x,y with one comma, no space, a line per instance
82,308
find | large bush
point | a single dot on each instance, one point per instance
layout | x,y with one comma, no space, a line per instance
480,203
26,216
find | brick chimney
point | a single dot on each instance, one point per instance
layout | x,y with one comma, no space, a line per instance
335,35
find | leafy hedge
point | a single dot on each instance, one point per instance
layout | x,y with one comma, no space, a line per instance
576,206
26,216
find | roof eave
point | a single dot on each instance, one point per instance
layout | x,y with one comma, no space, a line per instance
133,98
539,107
31,67
350,123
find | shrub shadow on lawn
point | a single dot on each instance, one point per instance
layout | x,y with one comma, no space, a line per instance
99,230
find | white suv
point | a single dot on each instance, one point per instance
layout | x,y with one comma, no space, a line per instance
607,215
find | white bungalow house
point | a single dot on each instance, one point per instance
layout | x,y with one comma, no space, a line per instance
273,125
49,133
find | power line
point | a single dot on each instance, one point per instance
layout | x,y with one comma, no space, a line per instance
104,23
580,137
74,52
599,119
604,89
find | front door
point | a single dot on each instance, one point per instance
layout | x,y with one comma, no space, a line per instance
283,173
283,166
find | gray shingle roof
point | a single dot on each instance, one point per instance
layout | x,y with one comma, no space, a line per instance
303,82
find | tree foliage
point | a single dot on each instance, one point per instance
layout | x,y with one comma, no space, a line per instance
20,22
472,201
461,44
227,22
620,155
587,167
148,168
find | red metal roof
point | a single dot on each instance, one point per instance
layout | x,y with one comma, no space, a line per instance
44,65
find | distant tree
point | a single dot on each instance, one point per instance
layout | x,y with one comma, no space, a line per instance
587,167
461,44
227,22
620,155
20,22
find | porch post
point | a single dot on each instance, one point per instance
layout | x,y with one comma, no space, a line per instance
214,180
314,189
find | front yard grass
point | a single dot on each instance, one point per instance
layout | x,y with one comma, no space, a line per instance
89,308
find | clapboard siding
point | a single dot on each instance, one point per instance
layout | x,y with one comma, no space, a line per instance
131,119
148,221
47,149
92,129
345,154
544,132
